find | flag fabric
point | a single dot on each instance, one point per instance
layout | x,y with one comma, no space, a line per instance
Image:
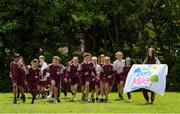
147,76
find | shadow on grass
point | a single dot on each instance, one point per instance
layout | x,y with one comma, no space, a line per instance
50,101
118,99
65,98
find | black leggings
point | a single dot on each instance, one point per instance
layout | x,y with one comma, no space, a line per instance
146,96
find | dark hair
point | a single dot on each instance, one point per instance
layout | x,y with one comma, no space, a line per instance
34,61
148,59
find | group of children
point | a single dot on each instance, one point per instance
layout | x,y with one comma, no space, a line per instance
95,76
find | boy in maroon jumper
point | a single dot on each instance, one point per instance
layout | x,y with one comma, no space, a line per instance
85,70
33,77
17,73
55,70
73,76
107,73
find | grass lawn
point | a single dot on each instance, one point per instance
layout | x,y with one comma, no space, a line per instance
169,103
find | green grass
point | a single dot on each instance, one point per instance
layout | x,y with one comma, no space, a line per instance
169,103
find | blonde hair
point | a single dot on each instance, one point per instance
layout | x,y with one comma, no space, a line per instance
94,58
75,58
41,56
106,58
118,53
57,57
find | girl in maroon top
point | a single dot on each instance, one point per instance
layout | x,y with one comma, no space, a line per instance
126,69
107,75
56,71
33,77
17,74
73,76
85,70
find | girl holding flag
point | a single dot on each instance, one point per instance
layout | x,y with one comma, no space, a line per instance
150,59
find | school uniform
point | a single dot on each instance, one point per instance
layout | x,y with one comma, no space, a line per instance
65,85
118,66
101,64
43,80
33,77
17,72
98,71
55,72
72,72
108,70
125,72
85,70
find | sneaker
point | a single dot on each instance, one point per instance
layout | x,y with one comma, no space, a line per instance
97,99
38,96
93,100
101,100
129,101
55,101
43,96
147,103
74,98
50,95
88,100
23,98
15,100
119,95
18,95
58,100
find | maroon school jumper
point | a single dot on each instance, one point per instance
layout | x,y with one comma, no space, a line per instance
55,71
86,68
17,73
108,70
33,81
125,72
73,73
65,85
92,83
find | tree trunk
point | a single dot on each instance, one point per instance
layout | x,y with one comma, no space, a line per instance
116,31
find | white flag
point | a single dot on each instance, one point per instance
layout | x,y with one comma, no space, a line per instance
147,76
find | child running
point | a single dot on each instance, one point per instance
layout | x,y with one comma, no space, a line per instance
73,76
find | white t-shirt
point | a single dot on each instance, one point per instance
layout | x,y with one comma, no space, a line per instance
157,61
44,66
118,65
98,69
